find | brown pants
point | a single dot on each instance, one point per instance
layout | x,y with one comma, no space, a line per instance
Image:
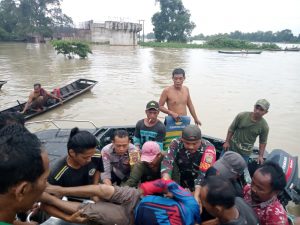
118,211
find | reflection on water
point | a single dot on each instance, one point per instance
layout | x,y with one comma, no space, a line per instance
220,85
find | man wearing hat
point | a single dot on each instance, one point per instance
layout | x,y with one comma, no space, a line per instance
188,157
150,128
230,167
244,130
149,167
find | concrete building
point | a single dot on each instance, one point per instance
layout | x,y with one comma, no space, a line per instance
109,32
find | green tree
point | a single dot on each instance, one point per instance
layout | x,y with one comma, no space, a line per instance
172,23
71,48
22,18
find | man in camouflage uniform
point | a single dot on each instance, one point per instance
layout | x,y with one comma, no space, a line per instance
188,157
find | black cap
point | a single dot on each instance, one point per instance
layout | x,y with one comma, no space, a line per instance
191,133
152,105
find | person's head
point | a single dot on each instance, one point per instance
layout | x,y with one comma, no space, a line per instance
268,181
7,118
120,142
152,111
191,138
217,194
231,165
24,168
81,146
37,87
150,154
261,107
178,76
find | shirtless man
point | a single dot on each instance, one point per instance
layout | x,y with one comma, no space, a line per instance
177,98
38,97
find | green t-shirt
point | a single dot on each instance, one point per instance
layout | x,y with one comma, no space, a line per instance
4,223
245,132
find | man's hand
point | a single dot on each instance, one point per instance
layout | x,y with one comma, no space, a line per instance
197,122
226,146
175,116
77,217
260,160
61,101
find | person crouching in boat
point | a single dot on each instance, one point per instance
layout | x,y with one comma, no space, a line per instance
38,98
188,157
148,168
268,182
82,165
127,205
116,158
218,198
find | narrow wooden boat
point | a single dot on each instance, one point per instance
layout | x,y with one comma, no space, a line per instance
240,52
67,93
2,82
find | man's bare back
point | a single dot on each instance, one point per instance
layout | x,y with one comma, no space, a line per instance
177,98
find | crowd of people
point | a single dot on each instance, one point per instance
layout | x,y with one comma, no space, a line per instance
139,183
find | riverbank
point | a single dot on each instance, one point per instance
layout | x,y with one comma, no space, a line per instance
218,43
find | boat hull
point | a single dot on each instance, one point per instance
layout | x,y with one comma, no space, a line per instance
240,52
67,93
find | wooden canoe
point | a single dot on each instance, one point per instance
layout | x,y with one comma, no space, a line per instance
67,93
240,52
2,82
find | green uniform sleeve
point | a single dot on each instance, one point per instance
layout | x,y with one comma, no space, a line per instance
135,175
235,123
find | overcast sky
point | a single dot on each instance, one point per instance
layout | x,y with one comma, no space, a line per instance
210,16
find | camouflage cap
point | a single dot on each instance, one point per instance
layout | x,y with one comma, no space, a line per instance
263,103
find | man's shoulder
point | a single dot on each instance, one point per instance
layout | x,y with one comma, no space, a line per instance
160,124
140,122
107,149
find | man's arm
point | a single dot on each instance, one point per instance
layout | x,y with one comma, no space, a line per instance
137,135
226,144
262,148
135,175
28,103
168,161
263,138
162,100
106,175
102,191
192,109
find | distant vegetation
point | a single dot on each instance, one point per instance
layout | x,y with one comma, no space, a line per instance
172,23
22,19
215,43
259,36
72,48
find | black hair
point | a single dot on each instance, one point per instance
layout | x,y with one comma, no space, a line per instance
211,171
20,156
219,191
37,85
7,118
120,134
178,71
278,181
80,141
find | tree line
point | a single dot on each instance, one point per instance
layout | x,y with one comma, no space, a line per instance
259,36
21,19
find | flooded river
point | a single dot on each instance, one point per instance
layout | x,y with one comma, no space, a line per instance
220,85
